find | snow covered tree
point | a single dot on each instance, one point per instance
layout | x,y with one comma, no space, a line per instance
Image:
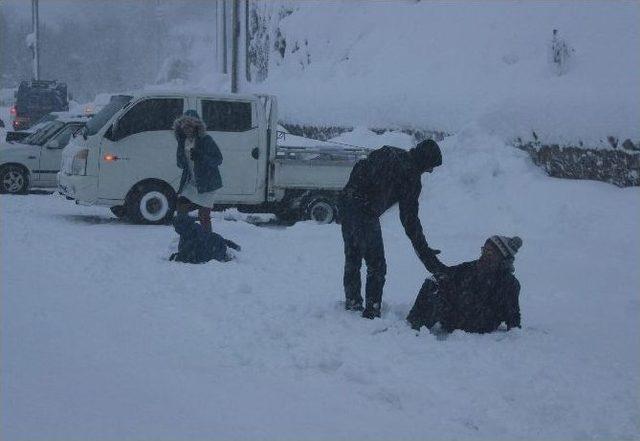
560,54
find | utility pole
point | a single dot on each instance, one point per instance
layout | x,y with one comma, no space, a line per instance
247,13
221,39
235,45
34,39
232,21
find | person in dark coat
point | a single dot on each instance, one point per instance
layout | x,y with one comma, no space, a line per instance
476,296
199,158
387,176
197,245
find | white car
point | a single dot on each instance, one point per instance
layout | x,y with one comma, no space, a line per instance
35,161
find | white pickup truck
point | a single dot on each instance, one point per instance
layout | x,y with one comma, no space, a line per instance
125,159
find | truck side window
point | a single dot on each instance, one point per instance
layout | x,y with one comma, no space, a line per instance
226,116
150,115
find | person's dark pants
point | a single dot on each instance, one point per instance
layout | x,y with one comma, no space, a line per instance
425,309
184,205
362,240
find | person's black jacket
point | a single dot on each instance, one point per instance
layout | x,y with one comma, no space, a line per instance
468,299
388,176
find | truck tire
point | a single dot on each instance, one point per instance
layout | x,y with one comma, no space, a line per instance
14,180
321,209
151,203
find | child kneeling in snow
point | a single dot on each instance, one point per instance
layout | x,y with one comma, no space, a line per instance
474,296
197,245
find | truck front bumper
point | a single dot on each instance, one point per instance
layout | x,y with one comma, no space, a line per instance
82,189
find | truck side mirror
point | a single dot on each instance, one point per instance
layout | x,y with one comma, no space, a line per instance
53,144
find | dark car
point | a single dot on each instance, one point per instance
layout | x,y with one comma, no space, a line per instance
34,99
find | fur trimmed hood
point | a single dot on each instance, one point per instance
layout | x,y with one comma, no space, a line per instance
189,118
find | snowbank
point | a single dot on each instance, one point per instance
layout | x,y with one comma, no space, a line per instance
103,338
440,65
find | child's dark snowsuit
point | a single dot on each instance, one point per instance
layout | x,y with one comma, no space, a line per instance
197,245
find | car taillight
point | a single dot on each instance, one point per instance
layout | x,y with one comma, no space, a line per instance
79,164
13,111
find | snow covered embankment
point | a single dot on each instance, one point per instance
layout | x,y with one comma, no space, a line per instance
440,65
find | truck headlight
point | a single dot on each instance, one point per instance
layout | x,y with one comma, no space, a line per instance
79,164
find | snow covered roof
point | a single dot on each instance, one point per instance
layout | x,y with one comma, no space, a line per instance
192,93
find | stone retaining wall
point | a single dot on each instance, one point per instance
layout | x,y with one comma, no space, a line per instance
619,165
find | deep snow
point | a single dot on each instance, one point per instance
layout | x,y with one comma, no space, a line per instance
103,338
440,64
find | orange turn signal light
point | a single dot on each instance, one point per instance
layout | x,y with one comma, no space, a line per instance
110,158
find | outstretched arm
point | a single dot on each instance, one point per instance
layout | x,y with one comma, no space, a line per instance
413,228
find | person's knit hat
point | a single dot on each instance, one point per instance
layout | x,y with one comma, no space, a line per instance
427,154
508,246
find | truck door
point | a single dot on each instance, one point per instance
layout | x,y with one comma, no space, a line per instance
140,145
234,126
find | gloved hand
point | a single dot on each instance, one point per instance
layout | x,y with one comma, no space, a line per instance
195,155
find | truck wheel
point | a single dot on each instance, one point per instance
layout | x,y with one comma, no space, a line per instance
321,209
119,211
151,203
13,180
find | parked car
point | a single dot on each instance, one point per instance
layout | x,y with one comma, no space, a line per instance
126,159
36,98
18,136
35,161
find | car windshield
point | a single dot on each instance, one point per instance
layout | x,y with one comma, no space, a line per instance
42,135
100,119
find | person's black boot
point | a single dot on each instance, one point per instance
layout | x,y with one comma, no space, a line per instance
371,311
353,305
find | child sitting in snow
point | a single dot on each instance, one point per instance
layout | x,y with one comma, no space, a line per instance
475,296
197,245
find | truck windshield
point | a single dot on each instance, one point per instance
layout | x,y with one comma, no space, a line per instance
100,119
42,135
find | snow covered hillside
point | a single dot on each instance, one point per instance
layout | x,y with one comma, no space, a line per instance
103,338
439,65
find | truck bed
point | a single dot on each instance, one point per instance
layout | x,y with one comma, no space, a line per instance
304,163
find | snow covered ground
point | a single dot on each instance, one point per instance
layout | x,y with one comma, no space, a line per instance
104,338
